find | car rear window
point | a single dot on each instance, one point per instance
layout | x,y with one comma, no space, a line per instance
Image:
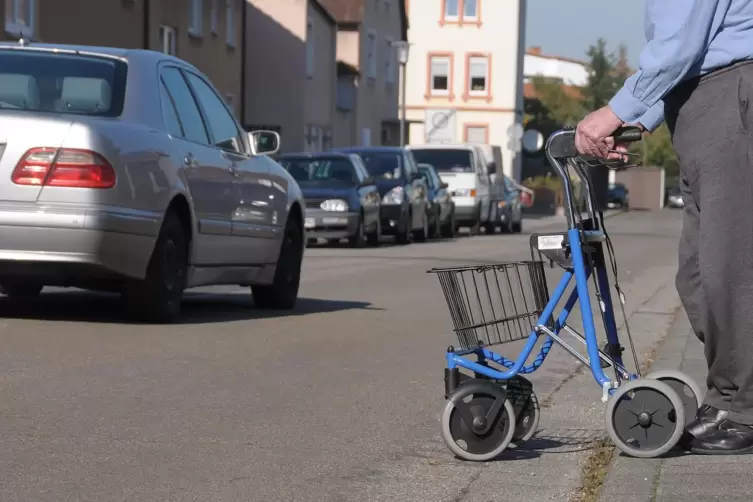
61,83
445,160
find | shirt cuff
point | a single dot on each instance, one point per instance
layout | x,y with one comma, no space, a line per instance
653,117
627,107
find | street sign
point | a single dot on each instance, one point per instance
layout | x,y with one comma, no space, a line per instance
440,125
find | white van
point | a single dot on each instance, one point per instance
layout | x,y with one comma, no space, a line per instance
467,170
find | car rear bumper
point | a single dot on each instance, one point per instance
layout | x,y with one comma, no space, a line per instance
465,212
64,241
330,225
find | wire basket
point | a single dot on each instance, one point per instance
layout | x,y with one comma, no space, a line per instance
495,303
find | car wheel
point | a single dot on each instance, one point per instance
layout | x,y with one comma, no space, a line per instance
450,228
436,231
423,234
375,238
518,227
283,292
490,228
21,290
158,296
359,239
403,236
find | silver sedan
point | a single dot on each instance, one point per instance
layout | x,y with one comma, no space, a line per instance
124,170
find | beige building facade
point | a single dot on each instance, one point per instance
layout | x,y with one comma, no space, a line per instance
465,74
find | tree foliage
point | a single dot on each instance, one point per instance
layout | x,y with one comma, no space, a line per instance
556,105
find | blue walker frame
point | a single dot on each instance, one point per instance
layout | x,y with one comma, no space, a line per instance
560,146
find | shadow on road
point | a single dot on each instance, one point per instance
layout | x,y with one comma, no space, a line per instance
197,308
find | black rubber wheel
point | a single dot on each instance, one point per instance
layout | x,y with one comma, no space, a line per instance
526,406
422,235
404,235
450,229
489,228
518,227
21,290
374,239
359,239
283,292
157,298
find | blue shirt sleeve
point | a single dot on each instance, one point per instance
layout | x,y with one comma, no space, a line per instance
681,31
653,117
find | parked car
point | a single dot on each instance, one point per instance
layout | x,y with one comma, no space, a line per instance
674,198
404,207
441,206
127,172
342,200
617,196
467,171
510,208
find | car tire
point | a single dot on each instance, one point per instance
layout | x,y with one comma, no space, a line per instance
518,227
157,298
374,239
21,290
359,239
282,294
423,234
404,235
436,229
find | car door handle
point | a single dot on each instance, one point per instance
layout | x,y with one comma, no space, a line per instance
189,161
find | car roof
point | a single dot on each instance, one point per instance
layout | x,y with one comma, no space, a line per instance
356,149
92,50
442,146
316,155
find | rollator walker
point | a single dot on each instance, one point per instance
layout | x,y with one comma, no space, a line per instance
492,406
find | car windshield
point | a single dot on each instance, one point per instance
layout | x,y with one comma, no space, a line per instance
61,83
387,165
445,160
321,171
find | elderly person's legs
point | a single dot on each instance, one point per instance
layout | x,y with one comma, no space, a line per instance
712,124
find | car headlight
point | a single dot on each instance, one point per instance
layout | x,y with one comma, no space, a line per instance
465,192
334,205
394,196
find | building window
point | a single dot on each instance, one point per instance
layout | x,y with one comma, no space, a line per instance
371,55
230,22
461,11
196,20
215,17
470,10
167,40
477,133
389,61
310,48
478,76
439,74
19,17
451,10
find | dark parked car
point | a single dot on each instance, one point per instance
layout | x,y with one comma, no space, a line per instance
617,195
510,208
404,209
342,200
441,206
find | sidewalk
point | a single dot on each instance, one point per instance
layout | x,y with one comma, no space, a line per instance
679,476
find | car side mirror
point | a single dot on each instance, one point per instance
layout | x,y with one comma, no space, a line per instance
264,142
367,182
444,185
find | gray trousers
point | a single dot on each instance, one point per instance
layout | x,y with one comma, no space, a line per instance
711,121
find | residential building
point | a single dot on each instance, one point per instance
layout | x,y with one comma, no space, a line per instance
465,74
570,71
206,33
368,90
290,72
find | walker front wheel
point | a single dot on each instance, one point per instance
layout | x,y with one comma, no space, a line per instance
478,421
645,418
688,390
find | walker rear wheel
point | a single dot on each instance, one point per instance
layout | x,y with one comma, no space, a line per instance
478,421
690,393
645,418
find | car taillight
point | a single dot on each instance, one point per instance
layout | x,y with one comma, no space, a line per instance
64,167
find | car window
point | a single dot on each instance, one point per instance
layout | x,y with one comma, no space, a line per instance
360,168
221,124
61,83
323,171
185,106
410,164
426,173
172,121
387,165
445,160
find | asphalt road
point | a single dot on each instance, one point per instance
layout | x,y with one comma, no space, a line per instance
237,403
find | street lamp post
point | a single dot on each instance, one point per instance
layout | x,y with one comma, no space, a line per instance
402,48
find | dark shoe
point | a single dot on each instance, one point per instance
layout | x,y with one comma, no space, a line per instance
706,422
729,439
